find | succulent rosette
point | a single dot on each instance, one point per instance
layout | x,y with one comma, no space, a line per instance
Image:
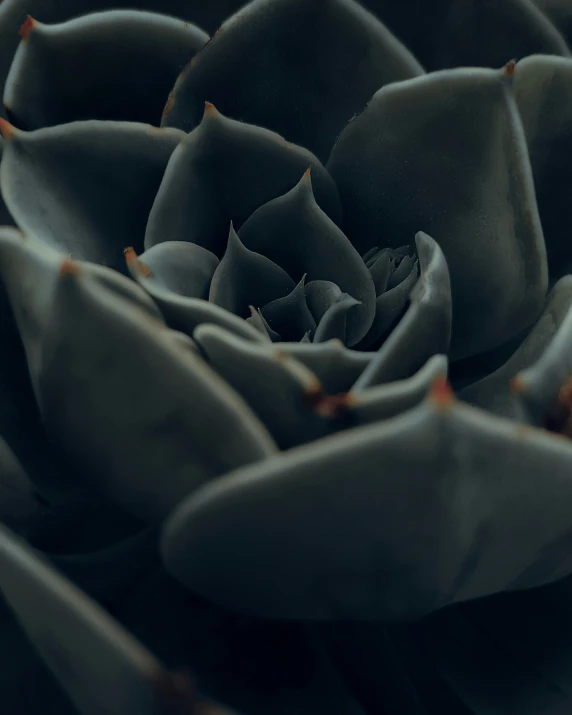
285,357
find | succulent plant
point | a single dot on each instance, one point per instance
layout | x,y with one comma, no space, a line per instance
285,357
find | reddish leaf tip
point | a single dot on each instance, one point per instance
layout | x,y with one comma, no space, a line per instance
129,254
27,27
559,419
133,261
517,386
441,393
68,267
6,129
510,68
209,108
328,406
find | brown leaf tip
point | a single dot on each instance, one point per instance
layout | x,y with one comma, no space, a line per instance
210,109
68,267
328,406
517,386
510,68
559,419
6,129
26,28
133,261
129,254
441,393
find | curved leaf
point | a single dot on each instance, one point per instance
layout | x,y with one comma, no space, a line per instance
85,187
107,371
384,522
117,65
302,68
400,171
222,172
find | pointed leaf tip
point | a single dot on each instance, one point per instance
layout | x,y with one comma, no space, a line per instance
7,130
559,419
441,393
129,254
307,173
26,27
68,268
209,109
510,68
517,386
133,261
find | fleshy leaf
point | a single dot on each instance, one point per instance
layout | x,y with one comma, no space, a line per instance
543,86
5,218
93,339
244,278
494,391
545,386
294,232
457,33
181,267
560,13
289,317
85,187
400,171
99,664
302,68
381,402
222,172
208,15
424,330
334,322
389,308
279,389
257,320
181,312
336,367
391,523
117,65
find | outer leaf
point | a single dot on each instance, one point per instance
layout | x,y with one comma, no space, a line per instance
543,87
283,389
101,667
98,349
116,65
85,187
302,68
400,171
181,267
457,33
390,521
336,367
544,386
13,14
494,391
222,172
